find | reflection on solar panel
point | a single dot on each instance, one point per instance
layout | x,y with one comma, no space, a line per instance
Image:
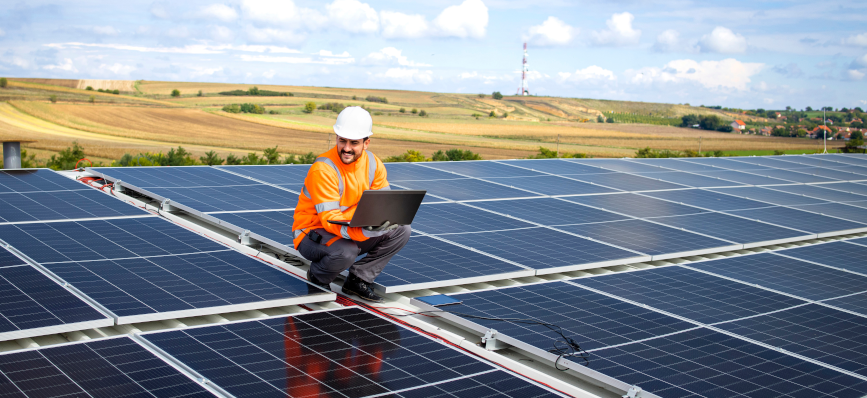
414,172
346,352
800,220
834,254
172,177
103,368
769,161
690,180
769,196
626,182
61,205
850,187
734,229
707,363
694,295
856,303
426,262
835,174
707,199
751,177
552,185
787,275
273,174
821,193
809,160
635,205
827,335
675,164
532,248
447,218
853,160
549,211
482,169
40,180
31,304
645,237
852,211
255,197
726,163
147,269
556,166
795,175
466,189
620,165
593,319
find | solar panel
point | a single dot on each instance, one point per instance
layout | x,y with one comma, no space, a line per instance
149,269
592,319
690,180
769,196
172,177
835,174
693,295
548,211
840,254
414,172
552,185
848,159
482,169
274,225
293,175
855,303
38,180
787,275
31,304
109,367
706,363
726,163
769,161
810,160
815,191
466,189
800,220
635,205
204,199
750,177
825,334
620,165
652,239
346,352
535,248
448,218
555,166
627,182
61,205
707,199
796,175
675,164
850,187
734,229
426,262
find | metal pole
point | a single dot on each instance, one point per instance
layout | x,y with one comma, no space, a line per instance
699,146
558,145
11,155
824,131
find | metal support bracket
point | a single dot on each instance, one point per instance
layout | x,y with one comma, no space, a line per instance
244,238
490,342
634,392
166,205
118,186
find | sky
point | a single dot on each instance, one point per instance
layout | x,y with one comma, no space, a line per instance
740,54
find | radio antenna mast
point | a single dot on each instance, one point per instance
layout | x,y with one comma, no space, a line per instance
524,90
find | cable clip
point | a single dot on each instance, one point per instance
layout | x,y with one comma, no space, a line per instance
634,392
166,205
489,340
117,186
244,238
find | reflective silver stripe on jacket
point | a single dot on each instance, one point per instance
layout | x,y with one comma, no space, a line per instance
371,169
326,206
344,231
297,232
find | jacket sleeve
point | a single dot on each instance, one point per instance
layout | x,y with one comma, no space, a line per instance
322,185
379,180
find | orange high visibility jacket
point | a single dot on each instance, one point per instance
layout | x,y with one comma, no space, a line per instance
332,191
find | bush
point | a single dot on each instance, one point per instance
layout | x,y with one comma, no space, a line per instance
545,153
354,97
455,155
371,98
101,90
116,92
273,112
725,129
414,111
233,160
481,96
600,119
778,152
253,108
92,99
496,95
232,108
3,82
89,88
609,120
710,122
505,114
402,110
67,158
308,158
332,106
689,120
666,153
176,93
211,158
199,94
409,156
253,90
422,113
309,107
492,114
53,99
271,156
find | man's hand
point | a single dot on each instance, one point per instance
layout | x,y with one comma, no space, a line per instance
373,232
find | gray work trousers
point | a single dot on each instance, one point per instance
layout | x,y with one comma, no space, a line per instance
329,261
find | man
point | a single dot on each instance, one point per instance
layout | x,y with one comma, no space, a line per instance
332,189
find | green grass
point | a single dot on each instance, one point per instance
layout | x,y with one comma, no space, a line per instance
770,152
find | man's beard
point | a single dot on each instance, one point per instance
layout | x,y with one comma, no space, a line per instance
354,156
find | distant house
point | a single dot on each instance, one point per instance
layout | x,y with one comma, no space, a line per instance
738,125
817,132
783,118
829,121
857,120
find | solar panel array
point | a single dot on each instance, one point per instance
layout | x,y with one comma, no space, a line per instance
555,215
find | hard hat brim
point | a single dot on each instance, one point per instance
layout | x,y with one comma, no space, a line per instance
352,135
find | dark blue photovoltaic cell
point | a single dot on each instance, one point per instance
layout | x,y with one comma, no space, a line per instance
275,225
593,319
798,278
620,165
428,197
816,191
769,161
691,294
425,259
751,177
533,247
482,169
29,299
674,164
173,177
635,205
707,199
810,160
850,187
860,241
833,337
7,259
855,303
414,172
101,368
726,163
730,228
555,166
626,182
254,197
842,174
447,218
690,180
769,196
466,189
44,206
103,239
838,254
552,185
794,175
137,286
40,180
494,384
273,174
861,170
549,211
704,363
847,159
797,219
646,237
346,352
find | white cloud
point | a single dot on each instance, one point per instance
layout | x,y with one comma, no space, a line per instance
405,76
860,61
486,79
729,74
271,35
722,40
222,34
66,65
219,11
105,30
854,74
591,73
552,32
326,53
353,16
397,25
619,33
669,41
191,49
180,32
297,60
2,33
199,71
282,13
389,56
159,10
117,69
469,19
857,40
269,74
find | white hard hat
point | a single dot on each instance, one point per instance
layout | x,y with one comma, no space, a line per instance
354,123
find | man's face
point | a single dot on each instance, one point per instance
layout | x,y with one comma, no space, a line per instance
350,150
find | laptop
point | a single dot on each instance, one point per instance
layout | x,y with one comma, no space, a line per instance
377,207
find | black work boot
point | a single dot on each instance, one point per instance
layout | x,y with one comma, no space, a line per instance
357,286
312,279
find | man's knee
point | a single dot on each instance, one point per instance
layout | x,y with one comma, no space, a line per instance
343,252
